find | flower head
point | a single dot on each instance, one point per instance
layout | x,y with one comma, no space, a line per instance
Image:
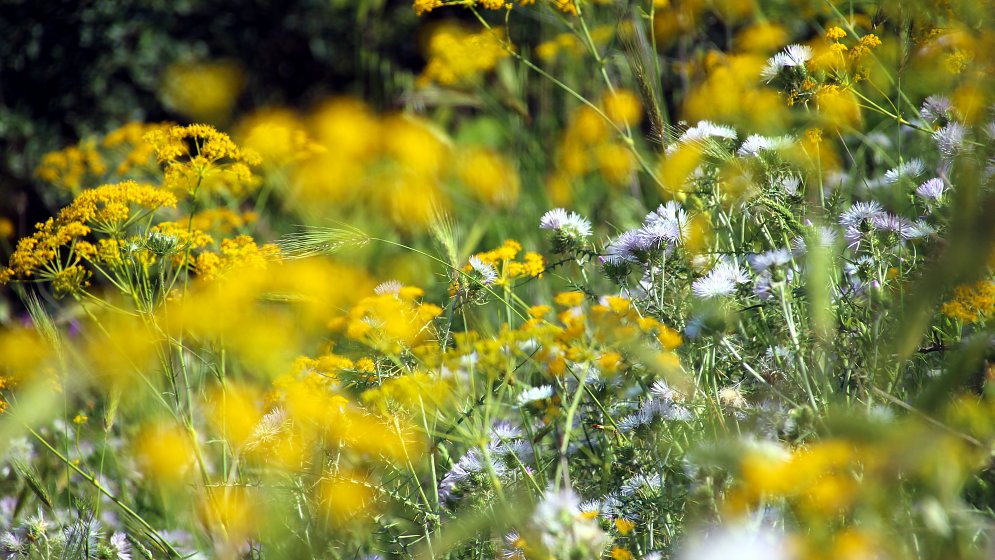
488,274
932,189
721,281
935,108
912,169
570,228
707,129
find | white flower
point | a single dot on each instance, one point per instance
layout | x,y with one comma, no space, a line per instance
917,229
799,54
392,287
569,224
559,519
661,390
911,169
935,107
486,271
762,261
554,219
721,281
793,55
642,483
119,547
533,394
668,224
950,139
739,541
861,212
754,143
557,511
790,185
707,129
504,429
713,286
514,547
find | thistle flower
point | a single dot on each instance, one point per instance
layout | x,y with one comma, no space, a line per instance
950,139
792,56
763,261
572,223
119,547
668,225
533,394
935,108
917,229
630,246
488,274
642,484
713,286
707,129
911,169
933,189
392,287
721,281
469,464
755,143
570,230
505,430
858,276
12,547
771,271
661,390
650,410
861,214
799,54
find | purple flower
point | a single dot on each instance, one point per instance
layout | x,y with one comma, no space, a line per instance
932,189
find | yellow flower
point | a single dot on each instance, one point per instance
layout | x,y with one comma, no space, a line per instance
203,91
609,362
457,56
346,498
240,253
623,108
616,163
972,303
624,526
105,209
425,6
669,338
7,229
619,553
165,453
198,156
491,178
569,299
565,6
864,46
539,311
835,33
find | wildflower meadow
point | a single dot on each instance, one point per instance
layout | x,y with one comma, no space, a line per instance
481,279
